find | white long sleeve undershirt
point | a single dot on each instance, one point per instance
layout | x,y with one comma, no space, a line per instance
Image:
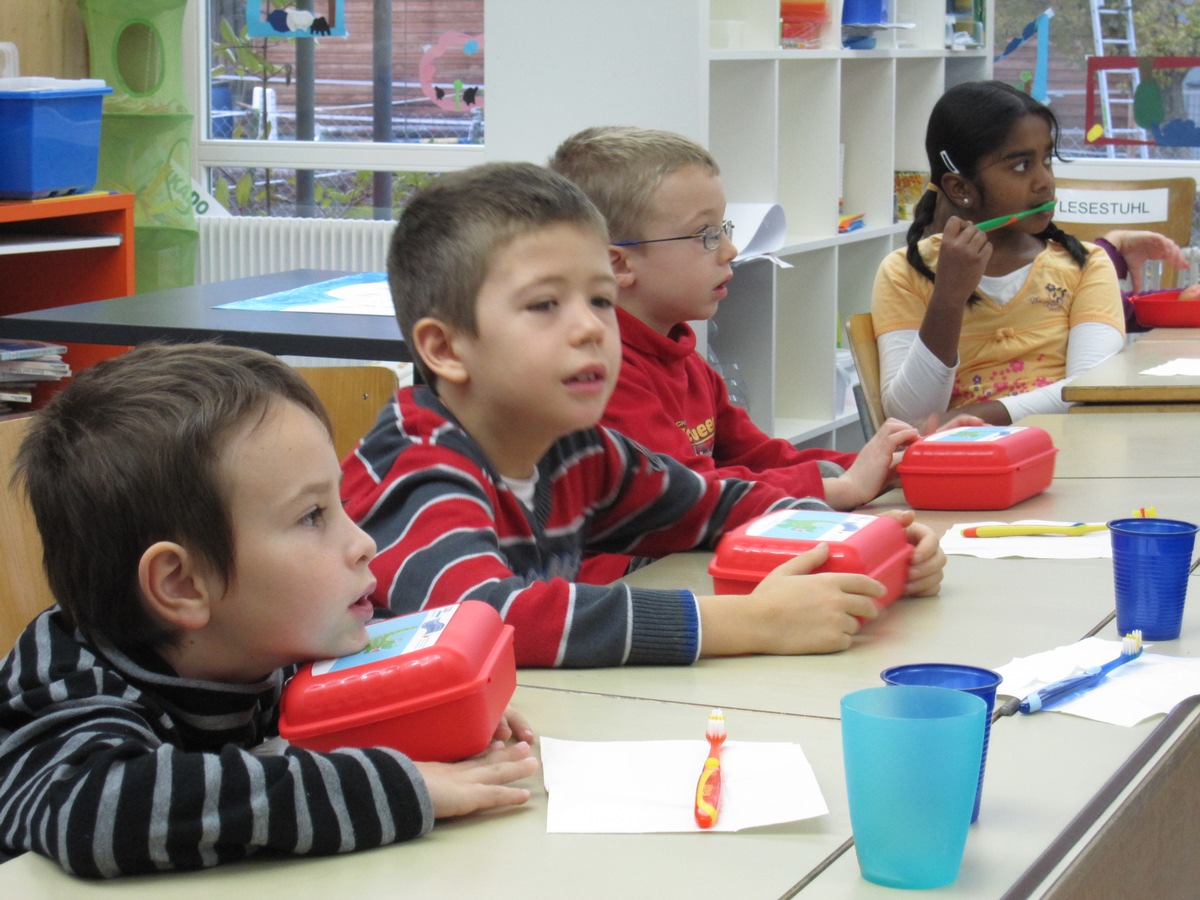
916,383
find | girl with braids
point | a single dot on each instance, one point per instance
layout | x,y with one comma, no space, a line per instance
990,324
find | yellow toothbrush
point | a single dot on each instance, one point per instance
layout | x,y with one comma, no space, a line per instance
985,531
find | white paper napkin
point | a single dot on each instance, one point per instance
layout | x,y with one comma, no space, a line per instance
1093,545
1141,688
629,787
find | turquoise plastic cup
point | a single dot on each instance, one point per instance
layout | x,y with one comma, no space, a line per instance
912,755
972,679
1151,558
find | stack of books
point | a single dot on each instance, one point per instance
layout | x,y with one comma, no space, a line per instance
25,363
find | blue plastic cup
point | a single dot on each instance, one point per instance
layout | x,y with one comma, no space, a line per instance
972,679
1151,558
912,756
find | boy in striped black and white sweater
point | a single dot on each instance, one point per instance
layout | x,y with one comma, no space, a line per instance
187,499
492,479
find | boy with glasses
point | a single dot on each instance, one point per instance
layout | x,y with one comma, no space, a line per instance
650,183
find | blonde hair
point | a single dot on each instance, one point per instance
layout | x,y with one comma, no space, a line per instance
620,167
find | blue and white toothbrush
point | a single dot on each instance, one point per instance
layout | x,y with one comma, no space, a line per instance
1131,648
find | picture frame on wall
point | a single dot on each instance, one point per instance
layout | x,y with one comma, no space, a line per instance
271,19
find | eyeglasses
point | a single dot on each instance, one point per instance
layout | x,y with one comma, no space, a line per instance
711,235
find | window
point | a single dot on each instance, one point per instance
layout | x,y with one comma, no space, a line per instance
339,125
1147,110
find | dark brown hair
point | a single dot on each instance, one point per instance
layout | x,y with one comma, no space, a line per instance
128,454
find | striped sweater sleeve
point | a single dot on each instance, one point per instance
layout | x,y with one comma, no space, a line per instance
443,534
90,777
447,529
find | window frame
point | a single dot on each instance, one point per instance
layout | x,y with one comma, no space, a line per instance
209,153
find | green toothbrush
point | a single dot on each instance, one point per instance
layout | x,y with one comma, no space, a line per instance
1001,221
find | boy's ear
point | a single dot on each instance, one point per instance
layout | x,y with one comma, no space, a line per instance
173,589
622,266
436,342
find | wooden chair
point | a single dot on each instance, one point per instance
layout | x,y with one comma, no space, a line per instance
860,333
1180,196
23,589
353,395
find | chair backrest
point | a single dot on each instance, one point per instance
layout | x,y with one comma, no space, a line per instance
23,589
353,395
1089,208
860,332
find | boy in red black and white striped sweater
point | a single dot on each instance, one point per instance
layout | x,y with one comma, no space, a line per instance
492,480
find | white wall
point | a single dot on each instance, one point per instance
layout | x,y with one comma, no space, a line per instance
1134,169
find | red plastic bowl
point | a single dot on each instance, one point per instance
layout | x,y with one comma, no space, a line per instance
1163,309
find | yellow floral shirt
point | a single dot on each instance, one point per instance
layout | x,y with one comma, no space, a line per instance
1016,347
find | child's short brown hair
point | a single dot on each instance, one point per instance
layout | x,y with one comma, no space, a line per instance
128,454
443,245
620,167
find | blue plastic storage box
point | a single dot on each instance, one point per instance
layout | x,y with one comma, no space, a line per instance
49,136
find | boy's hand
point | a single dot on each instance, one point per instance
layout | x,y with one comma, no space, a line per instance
790,611
874,469
513,726
479,782
927,566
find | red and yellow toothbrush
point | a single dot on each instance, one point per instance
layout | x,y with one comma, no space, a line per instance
708,788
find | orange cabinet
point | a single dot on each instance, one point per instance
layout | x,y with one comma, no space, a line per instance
66,250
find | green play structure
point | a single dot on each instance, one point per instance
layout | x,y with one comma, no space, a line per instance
145,149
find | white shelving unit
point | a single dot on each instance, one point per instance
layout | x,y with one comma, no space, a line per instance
775,120
778,121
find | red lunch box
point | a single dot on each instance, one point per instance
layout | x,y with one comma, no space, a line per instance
433,685
869,545
977,467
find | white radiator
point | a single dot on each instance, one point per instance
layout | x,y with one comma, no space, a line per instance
240,246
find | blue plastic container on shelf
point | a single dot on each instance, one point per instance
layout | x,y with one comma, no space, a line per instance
864,12
49,135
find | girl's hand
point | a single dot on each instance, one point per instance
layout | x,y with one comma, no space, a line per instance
955,420
1140,246
961,262
963,258
987,412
